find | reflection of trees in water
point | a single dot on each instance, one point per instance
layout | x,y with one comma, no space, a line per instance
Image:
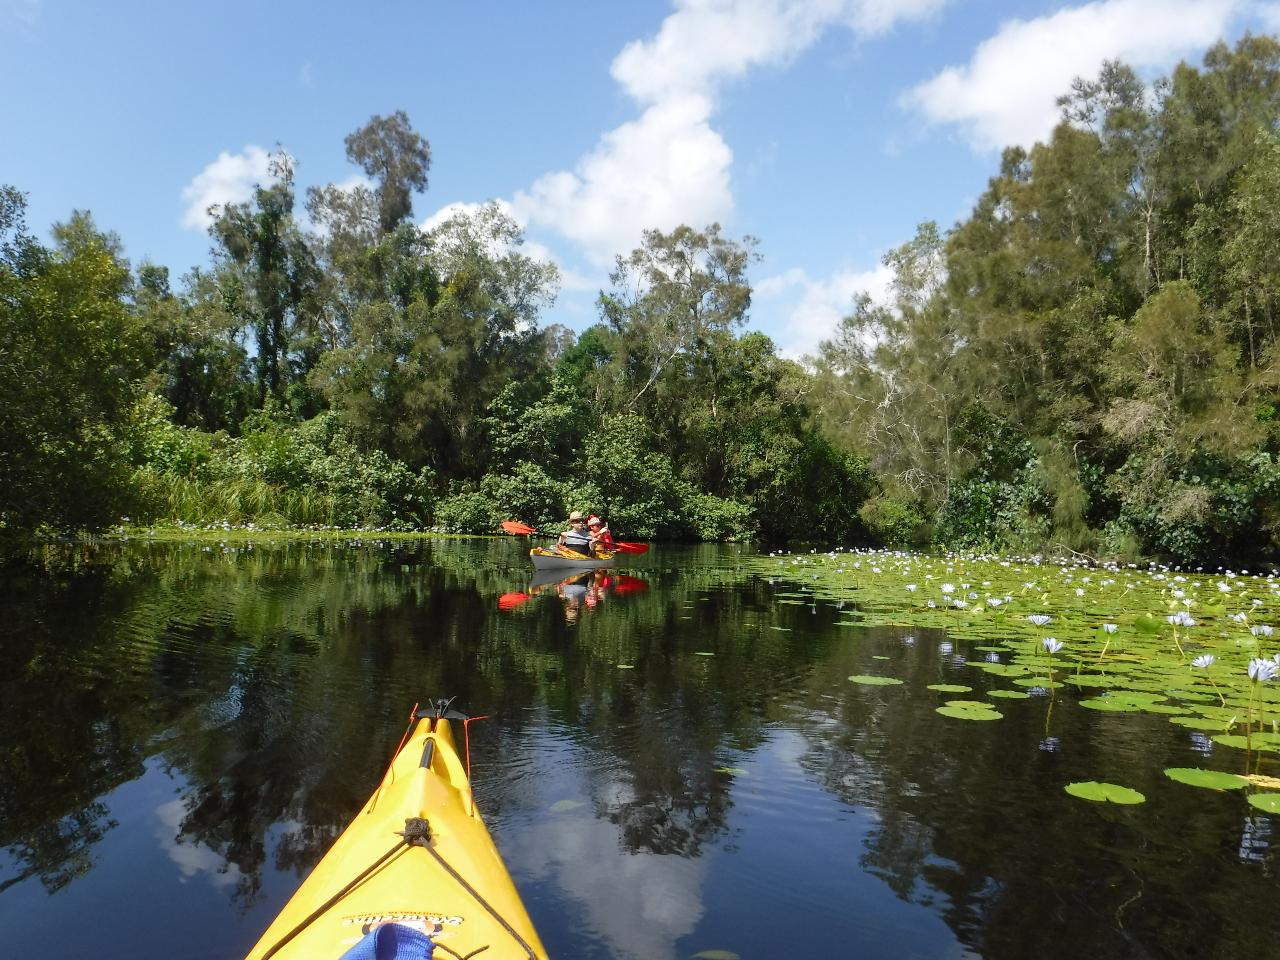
972,822
276,681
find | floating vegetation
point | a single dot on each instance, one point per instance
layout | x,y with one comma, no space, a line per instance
1267,802
872,681
1211,779
969,710
564,806
1009,694
1199,648
1104,792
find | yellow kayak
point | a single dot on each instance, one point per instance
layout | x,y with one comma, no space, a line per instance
562,558
417,860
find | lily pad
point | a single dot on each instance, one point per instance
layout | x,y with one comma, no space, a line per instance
716,955
1241,742
733,771
1210,779
968,710
1267,802
1111,705
703,653
872,681
950,687
1104,792
1009,694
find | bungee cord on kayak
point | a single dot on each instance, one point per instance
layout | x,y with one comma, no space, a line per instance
404,905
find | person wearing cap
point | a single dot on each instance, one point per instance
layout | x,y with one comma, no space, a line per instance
577,538
601,536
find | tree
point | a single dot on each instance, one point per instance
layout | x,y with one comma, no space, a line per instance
271,282
390,151
69,371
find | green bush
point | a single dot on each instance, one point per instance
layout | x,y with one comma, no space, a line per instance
278,472
893,522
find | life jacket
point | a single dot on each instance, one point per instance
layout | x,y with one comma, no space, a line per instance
578,541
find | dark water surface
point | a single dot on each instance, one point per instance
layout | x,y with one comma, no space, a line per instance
676,763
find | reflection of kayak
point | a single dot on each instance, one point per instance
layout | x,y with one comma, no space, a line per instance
419,855
545,578
544,559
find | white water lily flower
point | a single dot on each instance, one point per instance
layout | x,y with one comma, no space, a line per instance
1204,660
1179,593
1261,670
1109,628
948,588
1261,630
1181,619
911,587
1239,617
960,603
994,601
1051,644
932,604
1223,587
1039,619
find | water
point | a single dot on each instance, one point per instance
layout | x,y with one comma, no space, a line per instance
184,730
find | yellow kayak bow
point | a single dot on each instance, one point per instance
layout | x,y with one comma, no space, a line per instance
418,855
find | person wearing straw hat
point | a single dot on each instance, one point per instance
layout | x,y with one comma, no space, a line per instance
577,538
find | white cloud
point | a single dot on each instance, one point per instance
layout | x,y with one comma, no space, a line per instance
229,179
191,856
1005,94
810,310
669,166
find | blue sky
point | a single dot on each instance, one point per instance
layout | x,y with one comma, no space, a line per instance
826,128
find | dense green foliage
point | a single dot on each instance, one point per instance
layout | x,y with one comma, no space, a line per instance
1090,360
1088,363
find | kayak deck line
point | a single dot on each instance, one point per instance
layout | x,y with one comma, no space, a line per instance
459,894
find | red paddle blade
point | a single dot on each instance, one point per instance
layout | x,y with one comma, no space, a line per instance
509,601
631,547
511,526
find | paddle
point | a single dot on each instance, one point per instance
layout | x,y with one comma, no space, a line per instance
512,526
509,601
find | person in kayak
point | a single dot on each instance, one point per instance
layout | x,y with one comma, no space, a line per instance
577,538
600,534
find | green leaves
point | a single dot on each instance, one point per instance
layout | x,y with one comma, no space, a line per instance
1104,792
1209,779
874,681
969,710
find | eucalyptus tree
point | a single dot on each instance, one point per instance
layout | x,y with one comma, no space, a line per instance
671,297
271,282
420,370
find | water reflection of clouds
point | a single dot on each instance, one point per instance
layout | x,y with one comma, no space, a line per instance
639,903
191,859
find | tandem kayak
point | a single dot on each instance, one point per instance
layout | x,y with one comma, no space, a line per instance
553,559
415,871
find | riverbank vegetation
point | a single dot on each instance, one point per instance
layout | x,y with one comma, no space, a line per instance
1088,363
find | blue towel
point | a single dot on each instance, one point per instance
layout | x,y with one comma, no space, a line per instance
392,941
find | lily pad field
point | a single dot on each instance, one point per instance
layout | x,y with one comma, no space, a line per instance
1196,647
